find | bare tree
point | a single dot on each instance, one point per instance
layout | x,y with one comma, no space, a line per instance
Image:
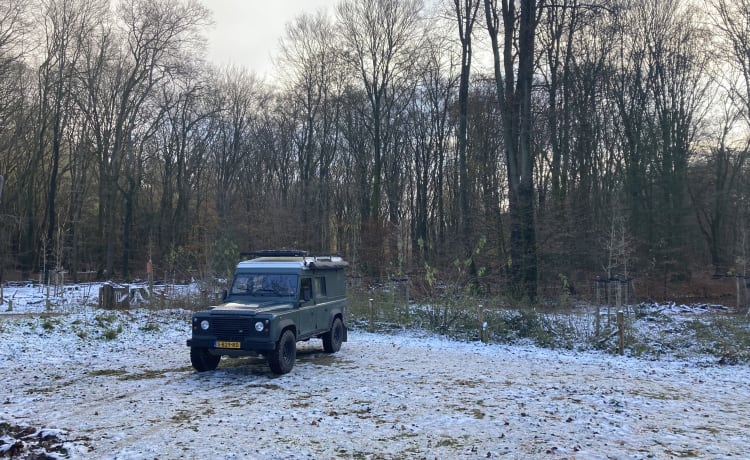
514,74
18,164
14,28
660,90
466,16
719,198
66,23
733,20
314,82
157,37
715,191
560,23
379,38
431,128
236,102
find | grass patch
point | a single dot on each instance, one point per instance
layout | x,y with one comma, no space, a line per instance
650,330
111,333
447,442
478,414
150,327
107,372
726,337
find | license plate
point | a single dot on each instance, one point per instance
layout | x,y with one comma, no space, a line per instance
220,344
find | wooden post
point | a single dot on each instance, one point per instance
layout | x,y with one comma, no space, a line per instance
737,283
407,310
483,335
627,291
371,327
150,276
618,295
609,303
597,320
620,332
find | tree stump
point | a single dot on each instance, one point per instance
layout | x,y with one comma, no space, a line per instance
113,297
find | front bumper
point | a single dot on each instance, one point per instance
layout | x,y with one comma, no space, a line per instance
249,345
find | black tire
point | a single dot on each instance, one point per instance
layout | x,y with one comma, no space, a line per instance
203,360
332,339
281,360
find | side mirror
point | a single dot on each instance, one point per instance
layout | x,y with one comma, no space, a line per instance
224,295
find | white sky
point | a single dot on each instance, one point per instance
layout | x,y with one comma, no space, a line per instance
247,32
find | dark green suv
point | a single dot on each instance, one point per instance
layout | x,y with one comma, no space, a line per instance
277,298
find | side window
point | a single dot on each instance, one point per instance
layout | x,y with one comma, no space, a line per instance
306,289
320,286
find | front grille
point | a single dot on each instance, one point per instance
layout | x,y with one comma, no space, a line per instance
235,328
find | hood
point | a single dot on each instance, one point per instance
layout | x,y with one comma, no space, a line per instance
250,308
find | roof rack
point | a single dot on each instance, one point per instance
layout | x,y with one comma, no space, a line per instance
325,263
319,262
274,253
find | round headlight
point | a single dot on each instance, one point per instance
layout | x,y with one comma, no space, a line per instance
204,324
259,326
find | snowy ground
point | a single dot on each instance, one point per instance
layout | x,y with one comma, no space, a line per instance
135,396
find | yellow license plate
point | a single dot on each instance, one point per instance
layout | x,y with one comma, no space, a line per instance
220,344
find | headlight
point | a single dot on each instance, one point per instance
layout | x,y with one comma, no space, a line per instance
204,324
259,326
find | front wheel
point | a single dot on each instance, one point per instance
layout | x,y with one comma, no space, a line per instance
202,360
281,360
332,339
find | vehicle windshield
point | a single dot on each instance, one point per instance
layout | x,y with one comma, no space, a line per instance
265,284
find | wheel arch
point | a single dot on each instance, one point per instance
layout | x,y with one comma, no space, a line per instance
286,325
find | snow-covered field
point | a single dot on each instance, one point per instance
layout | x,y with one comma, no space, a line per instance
88,383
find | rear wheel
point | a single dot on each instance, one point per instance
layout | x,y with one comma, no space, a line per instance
332,339
203,360
281,360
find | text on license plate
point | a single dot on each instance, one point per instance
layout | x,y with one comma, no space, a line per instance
220,344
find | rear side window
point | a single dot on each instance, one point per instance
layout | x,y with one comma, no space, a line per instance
320,286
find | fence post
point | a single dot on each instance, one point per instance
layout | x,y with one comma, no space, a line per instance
371,327
150,276
482,325
598,288
737,283
620,332
618,295
598,320
627,291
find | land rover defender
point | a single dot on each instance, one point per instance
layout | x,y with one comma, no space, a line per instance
277,298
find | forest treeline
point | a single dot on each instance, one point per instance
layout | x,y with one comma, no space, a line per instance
508,147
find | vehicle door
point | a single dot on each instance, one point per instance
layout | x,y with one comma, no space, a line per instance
307,308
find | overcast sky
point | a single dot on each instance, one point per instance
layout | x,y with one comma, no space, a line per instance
247,32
